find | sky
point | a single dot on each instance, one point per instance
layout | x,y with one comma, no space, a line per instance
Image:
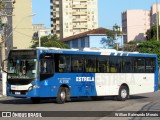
109,11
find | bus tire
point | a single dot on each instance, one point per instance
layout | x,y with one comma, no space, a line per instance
61,96
35,100
123,93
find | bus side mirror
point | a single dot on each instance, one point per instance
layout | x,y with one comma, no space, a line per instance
4,66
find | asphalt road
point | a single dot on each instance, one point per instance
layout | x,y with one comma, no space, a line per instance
135,103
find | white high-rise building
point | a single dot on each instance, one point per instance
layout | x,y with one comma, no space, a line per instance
70,17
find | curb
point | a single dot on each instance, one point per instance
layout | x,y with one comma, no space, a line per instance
2,96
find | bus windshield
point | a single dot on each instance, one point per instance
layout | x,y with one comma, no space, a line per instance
22,68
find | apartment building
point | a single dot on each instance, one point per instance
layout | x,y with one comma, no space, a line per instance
22,24
153,14
39,30
135,23
71,17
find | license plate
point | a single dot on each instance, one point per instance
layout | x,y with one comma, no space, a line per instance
17,93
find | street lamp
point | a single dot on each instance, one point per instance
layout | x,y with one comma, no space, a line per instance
39,37
116,30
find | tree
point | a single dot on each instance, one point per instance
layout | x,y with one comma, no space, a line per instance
112,37
130,46
49,41
150,47
151,33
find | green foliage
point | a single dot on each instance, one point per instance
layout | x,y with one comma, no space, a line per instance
111,37
151,34
110,34
49,41
150,47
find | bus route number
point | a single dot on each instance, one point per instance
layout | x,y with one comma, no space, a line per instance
64,80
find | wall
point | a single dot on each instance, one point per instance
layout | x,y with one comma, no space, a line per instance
22,24
91,42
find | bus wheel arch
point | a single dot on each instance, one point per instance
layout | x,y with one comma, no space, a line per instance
123,92
63,94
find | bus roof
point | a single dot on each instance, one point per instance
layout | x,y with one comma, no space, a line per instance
93,51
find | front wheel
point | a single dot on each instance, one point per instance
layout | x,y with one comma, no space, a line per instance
123,93
61,96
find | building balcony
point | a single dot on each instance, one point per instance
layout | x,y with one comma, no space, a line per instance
80,0
57,9
57,15
57,21
57,2
79,6
57,28
79,19
80,26
80,13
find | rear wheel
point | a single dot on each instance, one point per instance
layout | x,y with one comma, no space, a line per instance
61,96
123,93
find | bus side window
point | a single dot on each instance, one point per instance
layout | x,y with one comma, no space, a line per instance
47,67
127,65
90,63
139,65
150,65
64,63
77,63
43,66
115,64
102,64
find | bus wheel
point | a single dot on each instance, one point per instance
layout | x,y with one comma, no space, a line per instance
61,96
123,93
35,100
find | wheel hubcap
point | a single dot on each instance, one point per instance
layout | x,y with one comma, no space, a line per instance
63,95
123,93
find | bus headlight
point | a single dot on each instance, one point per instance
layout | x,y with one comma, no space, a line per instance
33,87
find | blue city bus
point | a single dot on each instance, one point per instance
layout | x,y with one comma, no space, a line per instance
66,73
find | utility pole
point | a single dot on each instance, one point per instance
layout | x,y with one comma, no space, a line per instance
39,37
3,53
5,12
116,30
157,19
